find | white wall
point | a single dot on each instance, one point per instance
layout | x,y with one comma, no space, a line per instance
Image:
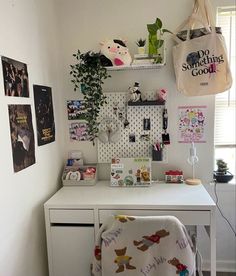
83,24
28,34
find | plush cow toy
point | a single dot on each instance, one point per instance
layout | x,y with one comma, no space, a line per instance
115,53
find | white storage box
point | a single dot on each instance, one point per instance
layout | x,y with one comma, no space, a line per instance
83,175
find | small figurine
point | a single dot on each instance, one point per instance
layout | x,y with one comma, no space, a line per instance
161,95
135,93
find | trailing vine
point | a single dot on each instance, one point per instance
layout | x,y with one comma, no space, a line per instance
87,76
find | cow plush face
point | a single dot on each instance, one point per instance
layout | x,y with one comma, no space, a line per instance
116,51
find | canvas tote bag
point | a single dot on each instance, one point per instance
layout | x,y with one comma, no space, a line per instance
201,65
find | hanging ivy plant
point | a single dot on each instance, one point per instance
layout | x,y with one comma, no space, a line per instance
88,75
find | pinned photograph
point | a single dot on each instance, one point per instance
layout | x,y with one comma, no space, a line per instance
15,76
132,138
146,124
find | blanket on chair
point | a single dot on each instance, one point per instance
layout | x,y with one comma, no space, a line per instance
145,246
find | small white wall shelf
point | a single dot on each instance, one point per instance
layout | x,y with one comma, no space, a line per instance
135,67
145,103
141,66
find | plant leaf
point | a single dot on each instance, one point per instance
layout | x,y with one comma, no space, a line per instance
159,43
152,28
158,23
166,31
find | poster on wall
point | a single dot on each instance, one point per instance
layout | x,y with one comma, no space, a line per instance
76,110
192,124
22,136
15,76
44,114
79,131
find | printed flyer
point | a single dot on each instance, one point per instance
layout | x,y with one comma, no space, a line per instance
44,114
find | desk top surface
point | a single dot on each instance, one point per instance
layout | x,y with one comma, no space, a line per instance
158,196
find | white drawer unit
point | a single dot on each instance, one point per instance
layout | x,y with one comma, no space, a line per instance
72,248
186,217
71,238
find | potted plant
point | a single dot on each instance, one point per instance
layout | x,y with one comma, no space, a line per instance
222,174
141,45
155,37
88,74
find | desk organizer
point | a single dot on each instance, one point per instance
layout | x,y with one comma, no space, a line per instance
156,155
85,175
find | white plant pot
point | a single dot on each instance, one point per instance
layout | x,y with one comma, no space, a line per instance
141,50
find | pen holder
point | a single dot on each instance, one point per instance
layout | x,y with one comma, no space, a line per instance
156,155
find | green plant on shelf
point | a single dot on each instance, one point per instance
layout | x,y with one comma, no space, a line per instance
155,38
141,42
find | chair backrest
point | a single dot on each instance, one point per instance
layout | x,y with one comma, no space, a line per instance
138,245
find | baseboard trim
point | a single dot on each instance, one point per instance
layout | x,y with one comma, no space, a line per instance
221,266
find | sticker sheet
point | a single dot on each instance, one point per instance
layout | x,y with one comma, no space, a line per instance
192,124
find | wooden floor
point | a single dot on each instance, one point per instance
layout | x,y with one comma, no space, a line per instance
220,274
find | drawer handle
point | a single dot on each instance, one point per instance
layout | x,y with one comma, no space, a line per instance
72,224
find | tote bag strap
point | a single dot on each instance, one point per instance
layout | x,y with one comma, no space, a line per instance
204,10
201,14
188,25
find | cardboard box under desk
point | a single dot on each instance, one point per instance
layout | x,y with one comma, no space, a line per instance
82,181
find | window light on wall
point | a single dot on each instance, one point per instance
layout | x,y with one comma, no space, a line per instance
225,131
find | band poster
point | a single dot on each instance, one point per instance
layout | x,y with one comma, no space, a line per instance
44,114
22,136
15,76
192,124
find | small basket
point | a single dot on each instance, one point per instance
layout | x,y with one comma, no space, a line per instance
85,175
174,177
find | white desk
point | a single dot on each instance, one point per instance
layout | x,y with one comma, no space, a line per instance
73,216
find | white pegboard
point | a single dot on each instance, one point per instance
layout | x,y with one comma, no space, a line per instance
135,116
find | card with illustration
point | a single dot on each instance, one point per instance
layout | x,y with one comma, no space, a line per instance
131,172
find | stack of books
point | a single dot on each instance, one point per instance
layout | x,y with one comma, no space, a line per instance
145,59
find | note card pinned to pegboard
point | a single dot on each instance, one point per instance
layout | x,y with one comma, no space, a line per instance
116,109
